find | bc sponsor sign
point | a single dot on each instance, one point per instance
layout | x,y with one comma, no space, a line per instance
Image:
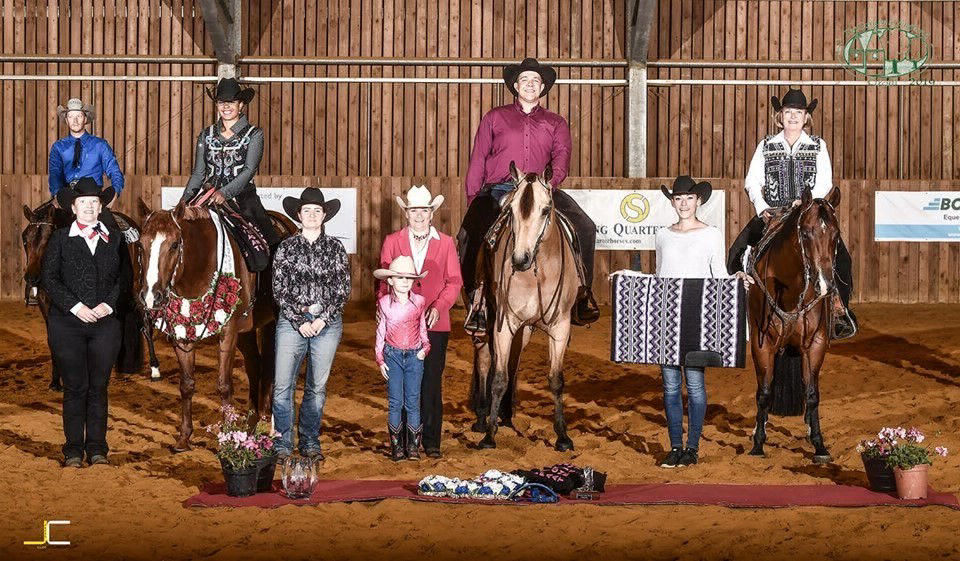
917,216
629,220
342,226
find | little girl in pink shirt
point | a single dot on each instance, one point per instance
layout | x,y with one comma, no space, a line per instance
401,346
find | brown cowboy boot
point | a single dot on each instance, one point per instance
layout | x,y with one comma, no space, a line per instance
397,452
414,436
585,310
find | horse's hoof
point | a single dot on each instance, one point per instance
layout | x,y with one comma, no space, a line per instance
478,426
757,451
563,444
487,442
507,423
179,448
822,459
154,374
55,386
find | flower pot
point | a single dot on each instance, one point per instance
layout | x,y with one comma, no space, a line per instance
912,483
240,482
267,468
879,474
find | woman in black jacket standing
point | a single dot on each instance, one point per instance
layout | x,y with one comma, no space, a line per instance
84,270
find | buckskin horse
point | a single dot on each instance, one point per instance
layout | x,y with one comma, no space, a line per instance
790,314
531,276
41,222
181,258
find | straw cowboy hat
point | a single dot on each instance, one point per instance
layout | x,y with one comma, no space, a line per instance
419,196
793,99
685,184
513,71
310,196
84,187
228,89
402,267
75,104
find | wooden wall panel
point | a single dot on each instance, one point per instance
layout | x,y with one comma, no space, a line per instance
883,272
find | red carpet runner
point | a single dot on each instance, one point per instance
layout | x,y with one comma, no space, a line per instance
736,496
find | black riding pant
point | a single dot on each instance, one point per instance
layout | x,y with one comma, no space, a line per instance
250,207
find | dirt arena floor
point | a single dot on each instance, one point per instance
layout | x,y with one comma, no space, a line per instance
904,368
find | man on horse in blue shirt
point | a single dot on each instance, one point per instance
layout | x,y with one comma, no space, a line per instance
81,154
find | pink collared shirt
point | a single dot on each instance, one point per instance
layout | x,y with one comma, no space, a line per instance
401,325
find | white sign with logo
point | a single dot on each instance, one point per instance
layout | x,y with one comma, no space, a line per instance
342,226
629,220
917,216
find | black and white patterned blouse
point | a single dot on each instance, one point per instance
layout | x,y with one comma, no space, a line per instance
779,173
309,274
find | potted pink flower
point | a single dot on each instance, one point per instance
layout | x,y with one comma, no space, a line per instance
874,453
910,460
244,453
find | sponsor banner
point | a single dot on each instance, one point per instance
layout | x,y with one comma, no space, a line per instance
342,226
629,220
917,216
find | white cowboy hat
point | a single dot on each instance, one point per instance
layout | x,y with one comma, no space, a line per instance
75,104
401,266
419,197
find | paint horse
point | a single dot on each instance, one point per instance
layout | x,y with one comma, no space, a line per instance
790,313
530,276
41,222
182,261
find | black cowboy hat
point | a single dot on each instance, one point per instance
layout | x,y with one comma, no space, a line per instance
513,71
310,196
228,89
84,187
793,99
685,184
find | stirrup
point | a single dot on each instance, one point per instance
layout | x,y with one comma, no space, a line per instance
844,326
585,309
476,321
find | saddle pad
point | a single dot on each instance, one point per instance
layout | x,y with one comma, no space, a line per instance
224,247
692,322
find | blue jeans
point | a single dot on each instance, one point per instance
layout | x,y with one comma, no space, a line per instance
500,190
697,403
291,349
403,386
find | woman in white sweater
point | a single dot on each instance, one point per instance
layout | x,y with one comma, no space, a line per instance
687,249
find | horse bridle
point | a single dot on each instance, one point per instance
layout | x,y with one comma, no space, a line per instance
794,315
555,297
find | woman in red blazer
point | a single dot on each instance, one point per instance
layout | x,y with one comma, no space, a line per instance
435,254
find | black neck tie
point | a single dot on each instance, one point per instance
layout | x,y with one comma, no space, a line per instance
77,153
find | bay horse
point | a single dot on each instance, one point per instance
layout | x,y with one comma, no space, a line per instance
791,314
41,223
181,257
531,277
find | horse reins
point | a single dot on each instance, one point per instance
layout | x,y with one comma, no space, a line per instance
792,316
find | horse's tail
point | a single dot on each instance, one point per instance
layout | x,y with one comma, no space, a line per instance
788,393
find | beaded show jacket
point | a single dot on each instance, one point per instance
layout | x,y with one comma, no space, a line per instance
789,175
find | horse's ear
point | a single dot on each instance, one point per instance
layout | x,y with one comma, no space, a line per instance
179,209
142,208
27,213
514,172
806,197
548,174
833,197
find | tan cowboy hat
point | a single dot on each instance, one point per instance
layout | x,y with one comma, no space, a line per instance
74,104
419,196
402,267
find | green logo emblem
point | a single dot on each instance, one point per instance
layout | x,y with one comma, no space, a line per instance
883,50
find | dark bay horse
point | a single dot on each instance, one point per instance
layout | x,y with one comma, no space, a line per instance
41,222
180,257
790,314
531,279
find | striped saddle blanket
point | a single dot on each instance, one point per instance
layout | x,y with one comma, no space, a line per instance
691,322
